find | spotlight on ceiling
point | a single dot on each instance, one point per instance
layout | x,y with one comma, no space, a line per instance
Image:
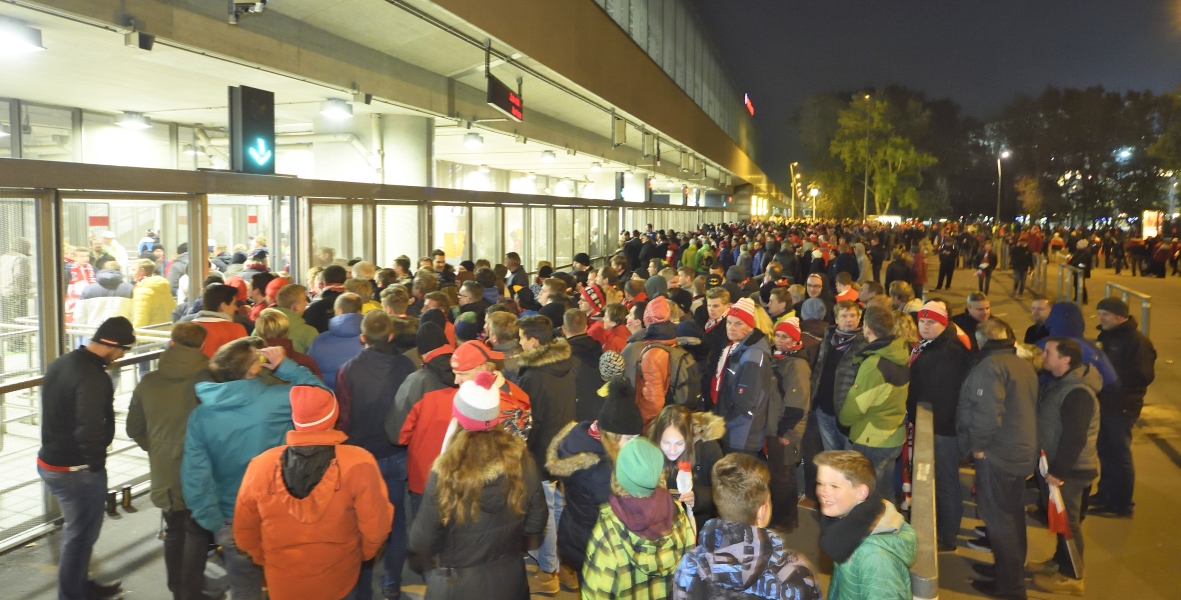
473,140
18,38
336,109
629,173
548,156
485,169
596,167
133,120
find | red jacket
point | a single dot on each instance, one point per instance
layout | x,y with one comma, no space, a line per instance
218,333
313,547
616,338
423,434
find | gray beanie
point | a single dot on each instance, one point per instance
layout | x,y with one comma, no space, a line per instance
813,309
655,286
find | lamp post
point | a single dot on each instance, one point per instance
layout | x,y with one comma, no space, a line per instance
1003,155
865,199
792,166
814,192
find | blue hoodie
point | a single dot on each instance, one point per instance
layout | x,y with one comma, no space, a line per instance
1066,320
235,421
336,346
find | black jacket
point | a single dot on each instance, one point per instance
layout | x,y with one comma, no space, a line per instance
935,378
584,467
846,262
586,352
631,249
547,376
1134,359
77,411
321,310
365,390
648,251
968,323
897,270
1020,258
790,264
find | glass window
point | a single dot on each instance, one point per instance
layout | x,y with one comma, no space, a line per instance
514,234
5,131
239,224
563,236
596,229
581,243
611,231
327,239
397,234
48,133
538,236
485,233
19,343
104,142
451,234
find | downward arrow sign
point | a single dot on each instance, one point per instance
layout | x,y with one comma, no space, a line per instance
261,155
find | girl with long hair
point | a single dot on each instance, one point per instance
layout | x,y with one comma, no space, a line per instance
689,442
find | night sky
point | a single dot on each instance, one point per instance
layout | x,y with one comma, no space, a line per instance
978,53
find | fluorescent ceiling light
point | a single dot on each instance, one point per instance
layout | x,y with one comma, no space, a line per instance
18,38
336,109
485,169
531,176
133,120
548,156
473,140
596,167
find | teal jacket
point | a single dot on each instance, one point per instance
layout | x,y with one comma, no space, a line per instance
875,408
234,422
880,567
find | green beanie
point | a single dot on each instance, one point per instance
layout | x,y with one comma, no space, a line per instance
638,467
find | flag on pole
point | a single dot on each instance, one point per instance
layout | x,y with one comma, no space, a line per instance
1056,520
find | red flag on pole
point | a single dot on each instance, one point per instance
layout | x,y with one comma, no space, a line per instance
1056,520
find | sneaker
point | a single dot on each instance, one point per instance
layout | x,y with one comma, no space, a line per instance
988,588
946,547
1057,583
981,544
568,578
544,583
980,531
1046,567
104,589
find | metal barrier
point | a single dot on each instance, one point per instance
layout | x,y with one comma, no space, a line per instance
1037,279
1145,303
1078,281
924,574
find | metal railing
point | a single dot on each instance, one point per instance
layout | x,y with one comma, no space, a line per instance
1038,277
924,574
1072,290
1145,303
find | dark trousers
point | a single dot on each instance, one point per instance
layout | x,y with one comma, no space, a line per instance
782,461
81,495
998,500
1117,479
982,282
393,471
1074,285
946,270
186,548
1019,280
918,290
877,272
949,502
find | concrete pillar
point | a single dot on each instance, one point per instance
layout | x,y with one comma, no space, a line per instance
409,150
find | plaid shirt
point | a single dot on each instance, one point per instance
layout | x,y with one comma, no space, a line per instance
622,564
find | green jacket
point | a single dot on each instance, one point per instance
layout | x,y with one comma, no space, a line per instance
689,257
158,415
299,332
875,407
880,567
621,564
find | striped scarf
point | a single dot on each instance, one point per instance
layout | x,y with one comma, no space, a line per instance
841,340
918,349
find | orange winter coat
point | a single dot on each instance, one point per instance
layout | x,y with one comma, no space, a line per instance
312,548
652,383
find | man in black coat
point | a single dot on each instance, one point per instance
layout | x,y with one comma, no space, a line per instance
1021,261
947,258
898,270
77,425
586,352
979,310
877,256
323,308
1134,358
648,251
786,257
631,249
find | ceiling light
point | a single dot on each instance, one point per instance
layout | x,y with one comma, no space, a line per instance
336,109
596,167
194,150
485,169
17,38
473,140
548,156
628,173
133,120
530,176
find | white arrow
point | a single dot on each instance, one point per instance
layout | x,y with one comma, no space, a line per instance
260,155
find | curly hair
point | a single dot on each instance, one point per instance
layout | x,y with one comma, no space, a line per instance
472,460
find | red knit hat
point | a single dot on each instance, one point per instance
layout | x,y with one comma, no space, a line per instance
789,326
239,284
472,354
313,408
593,295
744,310
275,285
934,311
657,311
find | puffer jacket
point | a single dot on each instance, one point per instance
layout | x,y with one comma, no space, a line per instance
158,415
997,410
151,302
653,374
234,422
875,408
482,558
767,570
584,467
336,346
746,391
880,566
846,371
547,376
310,512
109,296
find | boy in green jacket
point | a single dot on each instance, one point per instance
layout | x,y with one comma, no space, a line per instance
871,545
875,407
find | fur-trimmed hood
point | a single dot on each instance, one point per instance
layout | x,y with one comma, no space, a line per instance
546,354
708,427
585,455
510,449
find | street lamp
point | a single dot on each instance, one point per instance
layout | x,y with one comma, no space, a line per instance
865,199
794,176
814,192
1003,155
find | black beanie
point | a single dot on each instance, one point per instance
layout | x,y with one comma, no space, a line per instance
430,337
620,414
433,315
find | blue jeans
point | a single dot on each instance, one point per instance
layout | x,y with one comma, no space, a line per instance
393,471
245,576
999,502
949,501
1117,479
81,495
547,553
830,432
883,460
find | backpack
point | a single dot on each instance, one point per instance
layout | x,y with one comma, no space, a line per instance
684,377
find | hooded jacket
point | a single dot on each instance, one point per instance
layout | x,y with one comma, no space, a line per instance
585,468
366,387
547,376
482,558
935,378
746,391
735,561
310,527
151,302
654,370
875,407
1133,358
997,410
109,296
158,415
336,346
586,352
234,422
300,333
635,546
1066,320
423,434
879,567
435,374
177,268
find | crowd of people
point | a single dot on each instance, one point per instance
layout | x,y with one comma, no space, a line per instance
646,428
